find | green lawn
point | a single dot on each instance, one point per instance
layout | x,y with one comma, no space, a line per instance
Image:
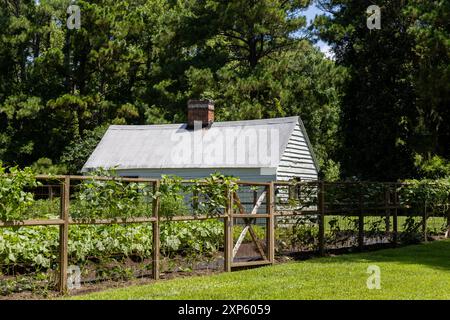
413,272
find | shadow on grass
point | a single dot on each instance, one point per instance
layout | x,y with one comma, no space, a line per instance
435,254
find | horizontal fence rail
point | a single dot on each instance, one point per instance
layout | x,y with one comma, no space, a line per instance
260,222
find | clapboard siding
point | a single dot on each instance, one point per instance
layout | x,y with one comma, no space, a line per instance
303,177
305,156
299,145
297,160
297,165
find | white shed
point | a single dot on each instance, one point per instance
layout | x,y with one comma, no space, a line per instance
253,150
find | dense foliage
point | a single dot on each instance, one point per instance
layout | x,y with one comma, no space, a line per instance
38,247
369,113
111,199
396,97
139,61
434,194
15,200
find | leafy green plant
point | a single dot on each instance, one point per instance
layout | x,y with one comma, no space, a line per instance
434,193
111,198
433,167
172,193
46,166
301,233
410,231
39,283
191,238
14,199
208,196
37,247
44,209
211,194
342,229
375,227
115,273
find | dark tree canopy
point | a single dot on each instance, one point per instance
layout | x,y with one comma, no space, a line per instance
395,102
375,111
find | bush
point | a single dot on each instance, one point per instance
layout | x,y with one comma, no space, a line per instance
433,167
435,193
46,166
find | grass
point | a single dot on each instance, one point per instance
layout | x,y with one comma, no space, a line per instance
413,272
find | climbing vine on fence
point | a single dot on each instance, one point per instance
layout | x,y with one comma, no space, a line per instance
15,200
208,196
111,198
211,193
434,193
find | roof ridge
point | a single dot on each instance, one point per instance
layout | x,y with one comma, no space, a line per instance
215,124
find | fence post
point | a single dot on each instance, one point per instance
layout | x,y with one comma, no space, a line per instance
271,223
361,222
155,229
447,233
424,222
395,217
387,204
50,193
64,236
321,211
228,233
195,202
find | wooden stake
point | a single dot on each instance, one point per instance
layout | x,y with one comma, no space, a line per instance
228,233
387,210
395,218
447,233
424,222
155,230
321,216
360,223
64,236
271,223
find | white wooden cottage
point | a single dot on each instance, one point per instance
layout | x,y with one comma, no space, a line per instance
253,150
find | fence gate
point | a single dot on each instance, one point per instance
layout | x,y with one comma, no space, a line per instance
251,224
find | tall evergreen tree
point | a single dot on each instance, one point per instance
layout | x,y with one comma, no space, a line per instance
388,114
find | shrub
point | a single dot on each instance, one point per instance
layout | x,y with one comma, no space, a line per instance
435,193
46,166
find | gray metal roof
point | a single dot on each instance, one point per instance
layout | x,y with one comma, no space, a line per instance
228,144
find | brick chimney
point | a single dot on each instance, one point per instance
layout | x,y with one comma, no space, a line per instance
200,110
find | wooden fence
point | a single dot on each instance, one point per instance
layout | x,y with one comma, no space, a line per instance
266,206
